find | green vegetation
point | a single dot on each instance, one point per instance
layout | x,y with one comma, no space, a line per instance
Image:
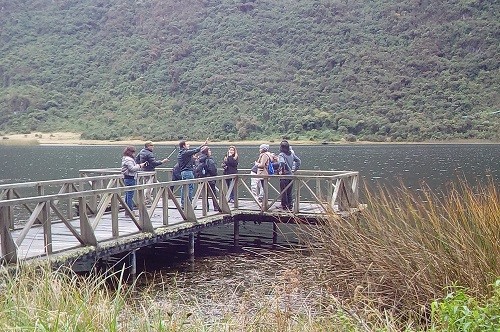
408,263
460,312
236,70
406,249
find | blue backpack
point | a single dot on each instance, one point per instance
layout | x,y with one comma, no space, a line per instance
270,167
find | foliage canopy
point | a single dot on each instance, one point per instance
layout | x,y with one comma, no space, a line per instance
320,70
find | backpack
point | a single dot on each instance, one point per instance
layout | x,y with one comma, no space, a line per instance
200,168
270,167
138,158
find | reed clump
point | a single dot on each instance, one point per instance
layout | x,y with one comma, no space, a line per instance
406,247
43,299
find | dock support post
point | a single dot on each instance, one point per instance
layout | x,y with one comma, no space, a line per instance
275,234
191,246
133,265
236,234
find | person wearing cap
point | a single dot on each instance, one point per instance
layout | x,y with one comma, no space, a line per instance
185,160
147,157
259,168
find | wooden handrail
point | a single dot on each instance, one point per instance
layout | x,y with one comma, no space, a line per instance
328,190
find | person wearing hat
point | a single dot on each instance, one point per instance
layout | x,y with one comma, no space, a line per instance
147,157
259,168
185,160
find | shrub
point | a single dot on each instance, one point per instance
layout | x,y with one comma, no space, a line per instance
460,312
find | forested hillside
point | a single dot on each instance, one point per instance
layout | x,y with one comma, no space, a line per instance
407,70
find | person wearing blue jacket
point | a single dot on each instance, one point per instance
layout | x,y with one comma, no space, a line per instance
288,164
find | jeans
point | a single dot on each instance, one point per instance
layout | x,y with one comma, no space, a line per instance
231,194
129,195
187,175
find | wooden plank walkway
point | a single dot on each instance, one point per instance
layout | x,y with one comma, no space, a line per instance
51,228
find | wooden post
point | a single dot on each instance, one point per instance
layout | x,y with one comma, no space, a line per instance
10,208
236,234
266,194
69,212
164,203
144,218
297,185
275,234
114,216
133,265
47,228
235,190
7,245
86,230
355,191
318,189
191,246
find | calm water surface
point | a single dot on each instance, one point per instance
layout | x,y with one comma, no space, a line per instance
437,164
217,264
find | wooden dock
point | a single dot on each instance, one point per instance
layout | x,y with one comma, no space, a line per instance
86,218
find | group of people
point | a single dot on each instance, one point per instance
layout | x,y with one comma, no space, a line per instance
192,162
285,163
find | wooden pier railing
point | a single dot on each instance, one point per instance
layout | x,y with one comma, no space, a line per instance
52,217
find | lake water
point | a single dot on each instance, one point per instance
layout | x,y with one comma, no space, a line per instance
437,164
216,260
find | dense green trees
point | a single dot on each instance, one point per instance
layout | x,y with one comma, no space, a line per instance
319,70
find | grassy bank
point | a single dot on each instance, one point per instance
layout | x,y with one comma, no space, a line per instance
410,262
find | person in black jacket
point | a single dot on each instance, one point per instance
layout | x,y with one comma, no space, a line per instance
230,166
210,167
147,157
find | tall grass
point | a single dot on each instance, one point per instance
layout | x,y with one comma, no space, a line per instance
40,299
377,271
405,248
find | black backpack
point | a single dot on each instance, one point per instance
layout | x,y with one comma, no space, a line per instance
200,168
138,158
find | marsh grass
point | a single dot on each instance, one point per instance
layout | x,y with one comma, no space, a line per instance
40,299
376,271
405,248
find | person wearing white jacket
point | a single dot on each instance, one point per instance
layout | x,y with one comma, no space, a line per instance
129,171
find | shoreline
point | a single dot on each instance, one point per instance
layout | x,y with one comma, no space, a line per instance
73,139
